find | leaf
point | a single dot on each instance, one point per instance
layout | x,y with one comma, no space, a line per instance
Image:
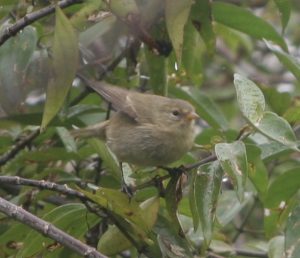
67,139
207,190
233,159
284,7
290,62
276,247
292,234
202,18
283,188
119,204
15,56
278,129
157,72
245,21
123,8
121,243
64,217
65,59
250,98
107,157
177,13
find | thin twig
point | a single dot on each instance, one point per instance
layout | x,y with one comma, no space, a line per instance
32,17
20,145
48,229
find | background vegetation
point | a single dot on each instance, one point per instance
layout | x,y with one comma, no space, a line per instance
239,194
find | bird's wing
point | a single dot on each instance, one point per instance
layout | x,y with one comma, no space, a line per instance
118,97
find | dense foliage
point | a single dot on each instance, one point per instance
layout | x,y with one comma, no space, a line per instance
234,195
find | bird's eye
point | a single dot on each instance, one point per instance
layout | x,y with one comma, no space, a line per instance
175,113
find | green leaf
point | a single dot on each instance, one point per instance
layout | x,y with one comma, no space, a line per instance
233,159
67,139
202,19
276,247
290,62
207,190
65,59
250,98
292,234
245,21
123,8
283,188
121,243
177,13
157,72
64,217
107,157
284,7
15,56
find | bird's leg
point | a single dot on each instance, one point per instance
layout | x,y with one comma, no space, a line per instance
125,188
175,170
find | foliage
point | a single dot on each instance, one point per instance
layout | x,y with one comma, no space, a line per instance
227,58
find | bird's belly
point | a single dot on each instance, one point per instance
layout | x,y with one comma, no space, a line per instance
146,149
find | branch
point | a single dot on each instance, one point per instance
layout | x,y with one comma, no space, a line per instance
18,147
32,17
48,229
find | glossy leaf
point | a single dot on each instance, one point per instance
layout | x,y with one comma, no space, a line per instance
250,98
65,58
283,188
284,8
292,234
207,190
245,21
233,159
202,18
177,13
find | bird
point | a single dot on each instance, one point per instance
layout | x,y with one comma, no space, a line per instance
146,129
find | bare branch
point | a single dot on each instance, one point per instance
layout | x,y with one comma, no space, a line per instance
48,229
18,147
32,17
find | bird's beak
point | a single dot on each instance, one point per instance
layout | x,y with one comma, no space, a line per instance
192,116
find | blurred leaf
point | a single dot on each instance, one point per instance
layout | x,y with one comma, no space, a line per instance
245,21
205,107
78,20
271,150
230,207
207,190
15,56
123,8
293,114
202,18
121,243
284,7
157,72
276,247
67,139
177,13
283,188
192,52
65,58
233,159
257,171
72,218
292,234
290,62
250,98
107,157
